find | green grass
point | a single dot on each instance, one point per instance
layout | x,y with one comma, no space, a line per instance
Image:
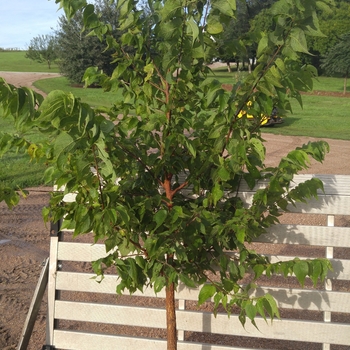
228,78
15,61
321,117
92,96
16,169
330,84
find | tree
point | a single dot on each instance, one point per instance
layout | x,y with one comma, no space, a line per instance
230,44
43,48
337,60
169,158
236,44
79,51
332,24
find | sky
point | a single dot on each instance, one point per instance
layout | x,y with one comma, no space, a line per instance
22,20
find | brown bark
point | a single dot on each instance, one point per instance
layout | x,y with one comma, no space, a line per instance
171,317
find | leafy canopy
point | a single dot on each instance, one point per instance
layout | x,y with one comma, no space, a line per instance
337,60
157,175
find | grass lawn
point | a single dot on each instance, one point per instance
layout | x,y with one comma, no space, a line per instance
321,117
225,77
330,84
16,168
94,97
15,61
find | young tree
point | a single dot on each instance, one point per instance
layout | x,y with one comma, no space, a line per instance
43,48
337,60
169,159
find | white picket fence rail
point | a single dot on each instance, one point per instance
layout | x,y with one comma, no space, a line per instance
81,311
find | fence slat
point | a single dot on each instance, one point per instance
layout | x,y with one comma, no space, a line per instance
93,341
308,235
198,321
287,298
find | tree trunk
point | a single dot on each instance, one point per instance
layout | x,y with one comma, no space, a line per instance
249,66
171,317
228,67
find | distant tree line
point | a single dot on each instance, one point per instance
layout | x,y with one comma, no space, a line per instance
74,50
10,49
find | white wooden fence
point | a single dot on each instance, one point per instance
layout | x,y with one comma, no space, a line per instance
86,315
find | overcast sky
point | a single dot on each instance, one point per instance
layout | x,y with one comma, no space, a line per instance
21,20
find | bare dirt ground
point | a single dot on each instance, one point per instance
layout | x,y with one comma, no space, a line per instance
24,239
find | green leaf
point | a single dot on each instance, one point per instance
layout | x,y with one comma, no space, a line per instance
224,6
250,310
258,270
217,193
187,280
206,292
107,168
316,271
260,308
63,142
71,7
242,318
271,306
258,147
298,40
301,270
89,17
194,30
214,26
263,43
240,234
123,214
191,148
159,284
53,106
149,69
169,8
159,217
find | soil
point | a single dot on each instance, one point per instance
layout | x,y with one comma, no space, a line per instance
24,238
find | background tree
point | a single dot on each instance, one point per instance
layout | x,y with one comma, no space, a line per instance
43,49
78,50
170,157
230,45
337,60
235,44
333,25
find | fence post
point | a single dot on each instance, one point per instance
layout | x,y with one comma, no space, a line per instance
328,282
181,333
34,307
